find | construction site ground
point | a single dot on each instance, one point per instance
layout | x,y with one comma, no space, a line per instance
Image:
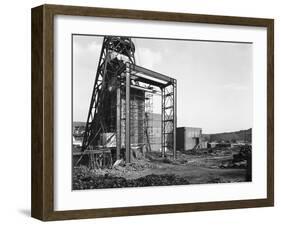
190,167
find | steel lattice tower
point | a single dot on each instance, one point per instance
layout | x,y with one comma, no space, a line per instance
118,80
115,52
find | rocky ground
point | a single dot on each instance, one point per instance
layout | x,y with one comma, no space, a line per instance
190,167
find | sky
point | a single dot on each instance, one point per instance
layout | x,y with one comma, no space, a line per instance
214,79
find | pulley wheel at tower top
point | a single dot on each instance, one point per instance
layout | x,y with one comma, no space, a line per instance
121,45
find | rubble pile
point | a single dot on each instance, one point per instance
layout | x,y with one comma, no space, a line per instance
240,160
82,180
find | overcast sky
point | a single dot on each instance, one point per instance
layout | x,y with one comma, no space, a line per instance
214,79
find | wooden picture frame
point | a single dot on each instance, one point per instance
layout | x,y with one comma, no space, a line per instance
42,204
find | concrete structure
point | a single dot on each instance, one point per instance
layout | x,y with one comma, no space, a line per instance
188,138
213,144
155,132
204,144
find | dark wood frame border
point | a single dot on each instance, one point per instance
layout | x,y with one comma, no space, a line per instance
42,112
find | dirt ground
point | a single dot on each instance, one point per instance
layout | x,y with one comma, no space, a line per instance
190,167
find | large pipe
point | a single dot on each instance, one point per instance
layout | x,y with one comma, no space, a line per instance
127,132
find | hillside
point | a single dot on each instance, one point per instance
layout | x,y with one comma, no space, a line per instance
75,123
230,136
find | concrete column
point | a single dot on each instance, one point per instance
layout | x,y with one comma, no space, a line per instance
118,121
127,132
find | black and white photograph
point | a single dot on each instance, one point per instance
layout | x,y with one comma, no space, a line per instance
160,112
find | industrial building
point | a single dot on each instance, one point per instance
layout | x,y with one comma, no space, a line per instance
189,138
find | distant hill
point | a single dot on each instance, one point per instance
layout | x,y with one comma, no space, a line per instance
79,124
242,135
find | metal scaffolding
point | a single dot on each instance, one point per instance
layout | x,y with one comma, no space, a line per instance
168,118
167,87
121,104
